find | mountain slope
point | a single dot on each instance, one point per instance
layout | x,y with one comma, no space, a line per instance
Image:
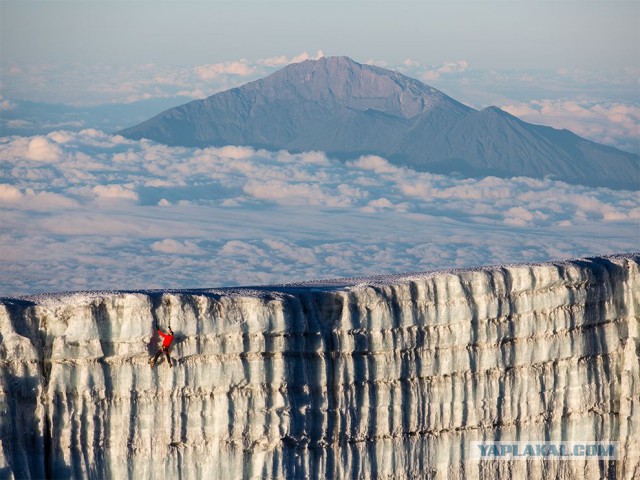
490,141
344,108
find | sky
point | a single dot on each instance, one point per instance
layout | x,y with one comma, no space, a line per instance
491,34
82,208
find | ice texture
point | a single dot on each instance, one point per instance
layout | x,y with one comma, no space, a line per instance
386,377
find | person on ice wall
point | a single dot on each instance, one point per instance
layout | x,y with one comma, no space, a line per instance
167,338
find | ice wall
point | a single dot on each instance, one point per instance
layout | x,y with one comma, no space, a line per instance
391,377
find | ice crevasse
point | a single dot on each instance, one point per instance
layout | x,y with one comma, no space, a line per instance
385,377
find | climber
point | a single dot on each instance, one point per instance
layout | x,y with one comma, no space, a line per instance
167,338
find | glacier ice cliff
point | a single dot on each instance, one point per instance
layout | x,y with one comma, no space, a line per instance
387,377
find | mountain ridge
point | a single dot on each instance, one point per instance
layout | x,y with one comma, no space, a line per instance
345,108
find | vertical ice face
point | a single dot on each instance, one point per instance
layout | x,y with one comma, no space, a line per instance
387,377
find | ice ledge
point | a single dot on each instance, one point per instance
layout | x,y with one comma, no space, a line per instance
326,285
346,378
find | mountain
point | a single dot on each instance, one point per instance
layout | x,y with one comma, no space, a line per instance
363,378
346,109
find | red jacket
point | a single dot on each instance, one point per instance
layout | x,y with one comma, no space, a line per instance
167,338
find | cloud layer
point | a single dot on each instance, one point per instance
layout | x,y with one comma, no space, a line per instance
87,85
88,210
611,123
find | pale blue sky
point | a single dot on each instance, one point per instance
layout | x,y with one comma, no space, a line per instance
488,34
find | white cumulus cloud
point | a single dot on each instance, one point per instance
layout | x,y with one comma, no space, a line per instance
241,68
42,150
9,193
171,246
114,192
447,68
305,56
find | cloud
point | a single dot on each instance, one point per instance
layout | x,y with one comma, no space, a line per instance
238,248
293,252
611,123
241,68
291,193
41,150
451,67
118,192
377,63
381,204
175,216
49,201
6,105
435,73
60,137
375,163
9,193
19,123
278,61
305,56
172,246
521,216
90,85
234,152
196,93
13,197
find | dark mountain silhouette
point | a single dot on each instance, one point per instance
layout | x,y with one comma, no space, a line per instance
346,109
